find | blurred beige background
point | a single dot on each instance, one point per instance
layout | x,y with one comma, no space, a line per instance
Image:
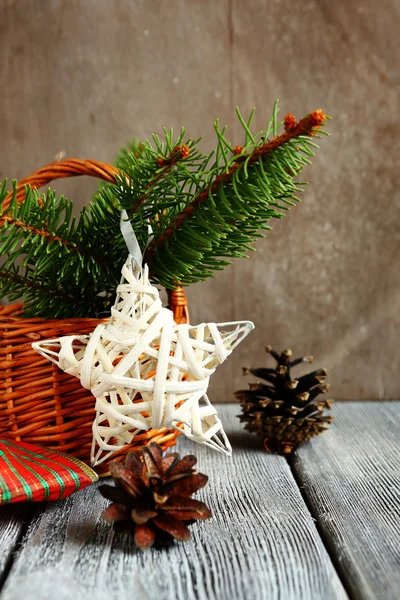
84,76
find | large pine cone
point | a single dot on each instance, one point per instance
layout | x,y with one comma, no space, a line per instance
285,411
152,496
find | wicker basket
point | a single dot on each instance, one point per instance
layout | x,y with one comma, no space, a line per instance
39,403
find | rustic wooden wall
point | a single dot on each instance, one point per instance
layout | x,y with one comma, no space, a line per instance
83,76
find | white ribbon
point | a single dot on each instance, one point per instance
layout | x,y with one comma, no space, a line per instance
130,238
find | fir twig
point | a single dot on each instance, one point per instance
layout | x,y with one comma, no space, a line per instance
307,126
42,233
203,210
231,203
165,165
59,265
22,283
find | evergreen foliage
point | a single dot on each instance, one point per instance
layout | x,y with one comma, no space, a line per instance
203,210
60,265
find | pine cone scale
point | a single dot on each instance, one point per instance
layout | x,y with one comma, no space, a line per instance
185,464
170,461
141,516
133,463
188,508
189,485
153,461
144,536
126,479
115,494
174,526
115,512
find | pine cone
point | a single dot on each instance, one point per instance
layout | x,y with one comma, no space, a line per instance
285,411
152,496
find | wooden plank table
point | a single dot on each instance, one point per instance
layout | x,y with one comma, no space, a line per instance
351,482
322,526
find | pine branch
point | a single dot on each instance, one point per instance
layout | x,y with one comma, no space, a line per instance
307,126
57,263
40,299
165,165
229,205
41,233
203,210
153,176
22,282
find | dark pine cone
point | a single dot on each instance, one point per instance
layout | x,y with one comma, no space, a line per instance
285,411
152,496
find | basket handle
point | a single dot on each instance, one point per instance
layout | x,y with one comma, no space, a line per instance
72,167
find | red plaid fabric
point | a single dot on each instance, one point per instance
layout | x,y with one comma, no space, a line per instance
29,473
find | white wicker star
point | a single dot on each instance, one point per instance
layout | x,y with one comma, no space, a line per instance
145,371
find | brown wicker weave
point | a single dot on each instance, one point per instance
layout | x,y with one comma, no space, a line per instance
39,403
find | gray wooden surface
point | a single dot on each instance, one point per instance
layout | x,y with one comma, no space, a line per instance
261,544
12,524
351,479
264,542
84,76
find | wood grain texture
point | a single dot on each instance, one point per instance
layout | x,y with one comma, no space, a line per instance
84,76
12,523
351,478
262,542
